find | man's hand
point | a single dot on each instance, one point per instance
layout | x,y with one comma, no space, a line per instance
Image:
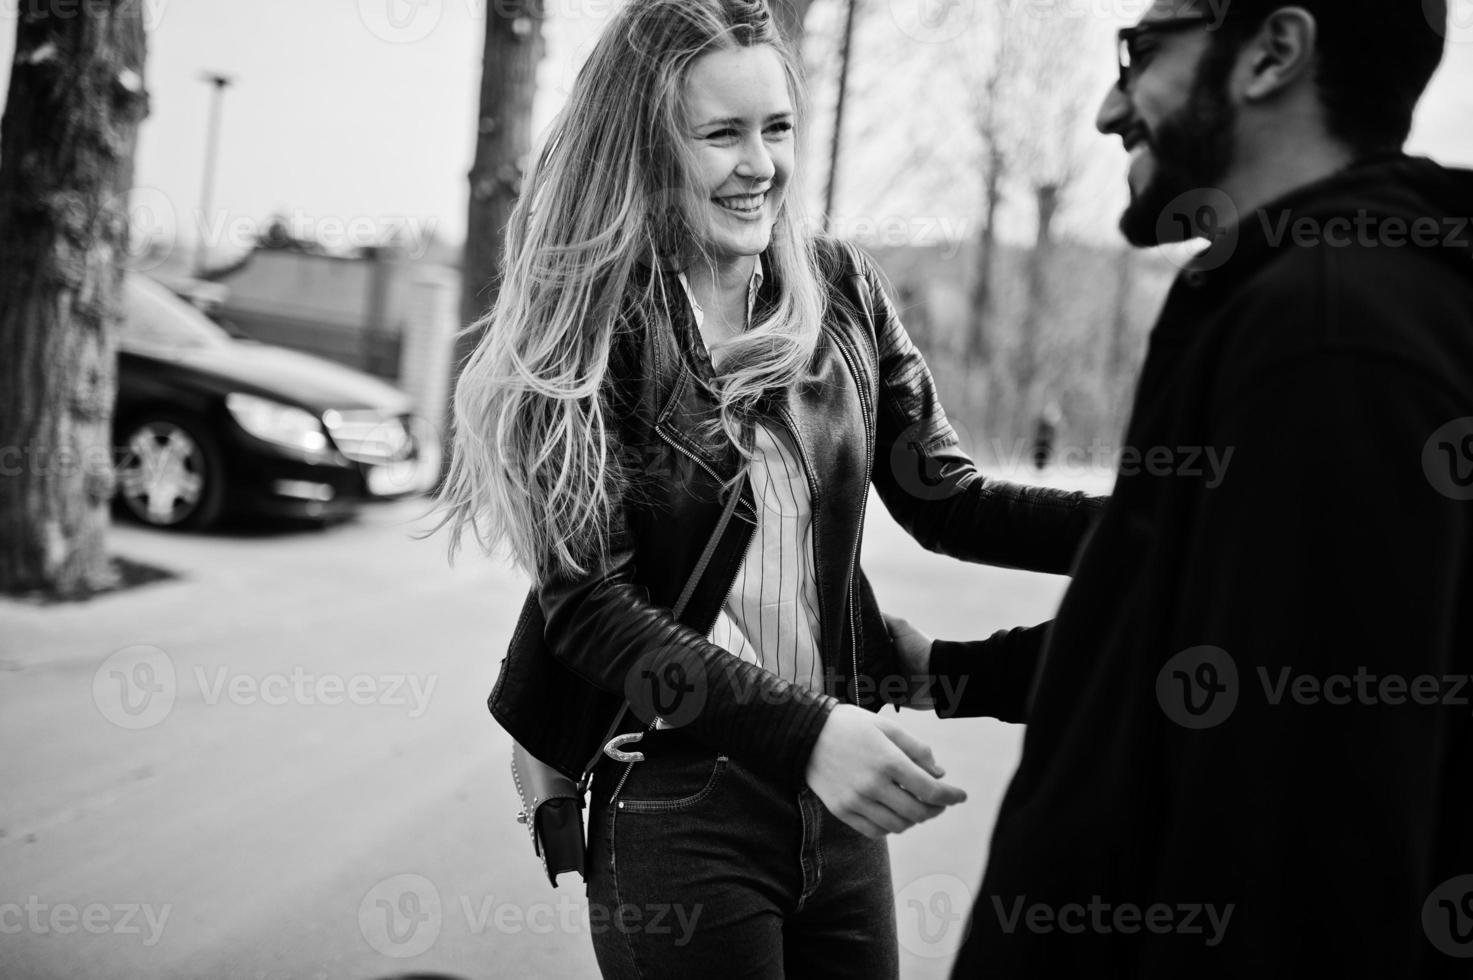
914,648
875,776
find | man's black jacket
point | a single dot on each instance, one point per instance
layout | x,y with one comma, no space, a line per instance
1250,746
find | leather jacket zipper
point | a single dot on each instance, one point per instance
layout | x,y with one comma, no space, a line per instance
688,454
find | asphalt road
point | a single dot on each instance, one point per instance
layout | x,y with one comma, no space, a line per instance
279,765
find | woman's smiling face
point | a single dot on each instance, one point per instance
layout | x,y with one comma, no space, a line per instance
740,127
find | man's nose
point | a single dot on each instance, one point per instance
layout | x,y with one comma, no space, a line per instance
1114,112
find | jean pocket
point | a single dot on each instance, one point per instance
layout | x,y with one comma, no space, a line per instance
666,786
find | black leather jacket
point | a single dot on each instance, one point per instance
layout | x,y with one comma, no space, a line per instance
869,414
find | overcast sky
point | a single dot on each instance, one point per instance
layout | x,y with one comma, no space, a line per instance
356,116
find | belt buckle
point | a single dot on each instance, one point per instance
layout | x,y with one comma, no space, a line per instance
614,748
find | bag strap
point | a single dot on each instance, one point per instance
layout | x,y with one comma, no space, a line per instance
679,609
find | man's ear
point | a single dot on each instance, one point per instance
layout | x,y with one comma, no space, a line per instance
1282,54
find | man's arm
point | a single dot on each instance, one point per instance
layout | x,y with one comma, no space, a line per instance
990,678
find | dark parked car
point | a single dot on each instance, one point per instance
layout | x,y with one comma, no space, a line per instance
209,424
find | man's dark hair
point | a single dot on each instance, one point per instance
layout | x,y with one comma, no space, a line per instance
1375,60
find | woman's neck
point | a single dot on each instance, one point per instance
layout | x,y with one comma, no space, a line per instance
721,291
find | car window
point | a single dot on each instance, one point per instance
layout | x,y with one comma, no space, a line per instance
155,317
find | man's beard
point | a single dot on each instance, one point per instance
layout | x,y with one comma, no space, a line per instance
1190,151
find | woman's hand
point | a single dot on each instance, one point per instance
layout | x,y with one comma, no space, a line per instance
875,776
914,648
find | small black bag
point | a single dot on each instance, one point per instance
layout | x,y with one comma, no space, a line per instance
552,809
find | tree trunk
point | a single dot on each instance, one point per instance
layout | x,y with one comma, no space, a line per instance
791,15
1030,343
66,165
979,349
836,142
514,47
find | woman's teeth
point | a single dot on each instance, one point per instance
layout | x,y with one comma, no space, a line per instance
745,204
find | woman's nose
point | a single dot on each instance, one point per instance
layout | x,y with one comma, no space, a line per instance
756,160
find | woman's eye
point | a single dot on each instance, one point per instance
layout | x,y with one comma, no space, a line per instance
722,134
780,129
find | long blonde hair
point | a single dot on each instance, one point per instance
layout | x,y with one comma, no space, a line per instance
535,466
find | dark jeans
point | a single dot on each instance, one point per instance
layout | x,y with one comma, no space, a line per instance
702,868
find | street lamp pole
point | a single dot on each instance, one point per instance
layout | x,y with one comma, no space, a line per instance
207,192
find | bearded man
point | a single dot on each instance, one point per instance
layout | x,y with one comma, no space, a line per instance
1250,748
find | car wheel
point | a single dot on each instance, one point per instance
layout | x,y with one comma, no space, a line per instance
171,475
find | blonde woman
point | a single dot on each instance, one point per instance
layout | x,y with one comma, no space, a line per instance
669,334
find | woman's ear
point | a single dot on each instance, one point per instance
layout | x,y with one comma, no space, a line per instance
1282,55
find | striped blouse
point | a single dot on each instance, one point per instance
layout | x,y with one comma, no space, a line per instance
770,617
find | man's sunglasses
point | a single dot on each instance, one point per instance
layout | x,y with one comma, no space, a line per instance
1129,36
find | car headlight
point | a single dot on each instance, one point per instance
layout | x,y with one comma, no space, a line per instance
285,425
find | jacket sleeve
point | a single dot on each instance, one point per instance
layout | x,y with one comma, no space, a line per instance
934,490
987,678
603,626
